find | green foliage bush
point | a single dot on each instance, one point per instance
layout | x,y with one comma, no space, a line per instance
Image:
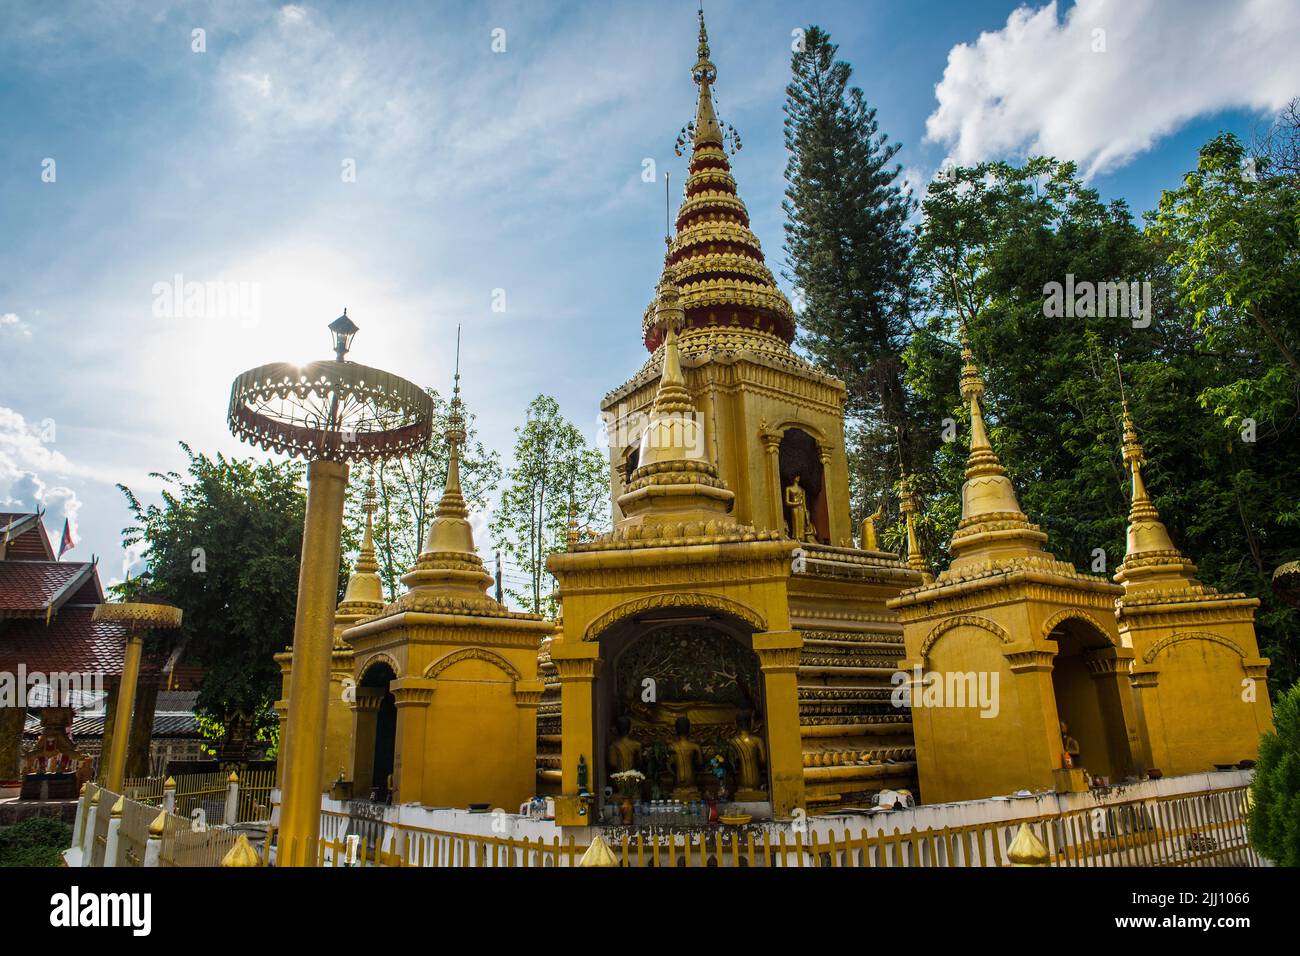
36,841
1275,815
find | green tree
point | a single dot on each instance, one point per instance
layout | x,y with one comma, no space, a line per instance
1233,230
1275,789
224,545
848,247
995,237
408,489
554,469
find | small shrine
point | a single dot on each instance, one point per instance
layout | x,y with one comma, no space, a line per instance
445,678
1200,684
1015,670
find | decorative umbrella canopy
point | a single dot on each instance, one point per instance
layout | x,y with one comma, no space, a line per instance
332,410
139,616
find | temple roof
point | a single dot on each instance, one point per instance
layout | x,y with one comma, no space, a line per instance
23,537
714,258
71,643
38,588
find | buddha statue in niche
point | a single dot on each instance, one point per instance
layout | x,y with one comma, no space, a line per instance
801,521
687,758
751,758
624,752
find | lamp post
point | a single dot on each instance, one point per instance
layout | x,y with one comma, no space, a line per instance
138,616
330,413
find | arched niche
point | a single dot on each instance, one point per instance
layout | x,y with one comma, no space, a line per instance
672,662
1087,703
800,455
375,737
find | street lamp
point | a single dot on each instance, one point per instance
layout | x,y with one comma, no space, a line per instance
343,331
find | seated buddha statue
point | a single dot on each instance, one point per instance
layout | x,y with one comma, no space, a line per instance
751,758
687,758
624,752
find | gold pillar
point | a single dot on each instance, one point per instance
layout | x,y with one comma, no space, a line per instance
122,718
778,656
309,678
412,697
831,524
576,664
771,449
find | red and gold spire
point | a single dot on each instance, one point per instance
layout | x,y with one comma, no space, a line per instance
714,258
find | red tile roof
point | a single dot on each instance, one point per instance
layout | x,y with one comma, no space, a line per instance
71,643
27,588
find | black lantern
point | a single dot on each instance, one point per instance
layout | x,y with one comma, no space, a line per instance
343,329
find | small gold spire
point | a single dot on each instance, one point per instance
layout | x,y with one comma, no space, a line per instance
707,129
982,460
118,807
159,824
1146,532
233,778
169,783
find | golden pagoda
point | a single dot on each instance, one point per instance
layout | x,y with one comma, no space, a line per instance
446,677
1016,672
728,614
1201,685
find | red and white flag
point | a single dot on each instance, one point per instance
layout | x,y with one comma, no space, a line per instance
67,544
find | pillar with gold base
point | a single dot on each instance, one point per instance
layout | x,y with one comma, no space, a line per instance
330,413
137,617
310,675
778,658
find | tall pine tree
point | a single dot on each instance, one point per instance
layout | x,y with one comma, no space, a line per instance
848,248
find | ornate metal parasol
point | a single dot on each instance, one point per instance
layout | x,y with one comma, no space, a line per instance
332,410
139,616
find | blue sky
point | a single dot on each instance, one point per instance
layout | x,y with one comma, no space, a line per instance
479,170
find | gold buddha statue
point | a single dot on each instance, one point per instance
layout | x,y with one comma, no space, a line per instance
751,759
868,536
624,752
687,758
801,522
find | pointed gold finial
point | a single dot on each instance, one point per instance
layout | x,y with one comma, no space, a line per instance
707,128
118,807
910,506
599,854
159,825
241,854
1026,849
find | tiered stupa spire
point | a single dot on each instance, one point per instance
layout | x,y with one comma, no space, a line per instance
1150,557
449,562
991,520
714,258
364,595
674,478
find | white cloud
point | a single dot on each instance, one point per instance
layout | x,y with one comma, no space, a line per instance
1039,86
11,324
